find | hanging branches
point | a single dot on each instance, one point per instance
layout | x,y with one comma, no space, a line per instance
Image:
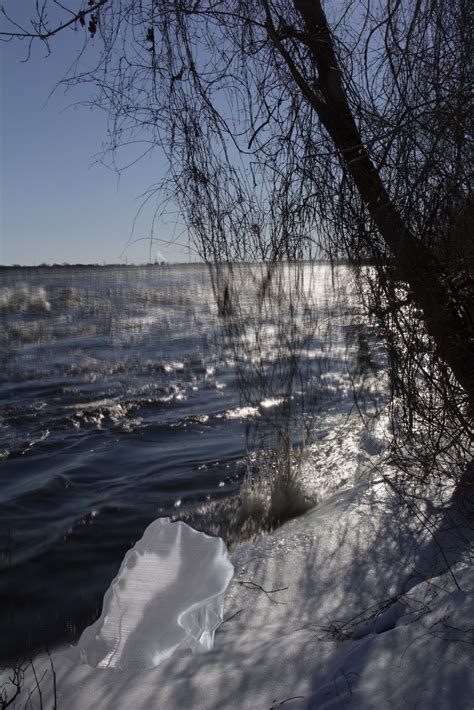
295,130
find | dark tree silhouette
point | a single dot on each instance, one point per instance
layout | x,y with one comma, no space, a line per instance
301,129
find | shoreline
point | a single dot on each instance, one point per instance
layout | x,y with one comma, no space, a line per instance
316,612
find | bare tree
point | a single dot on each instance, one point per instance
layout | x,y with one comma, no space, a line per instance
301,129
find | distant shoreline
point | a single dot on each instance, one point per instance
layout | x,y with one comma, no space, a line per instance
165,264
95,266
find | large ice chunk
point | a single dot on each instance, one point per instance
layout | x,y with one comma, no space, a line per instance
169,591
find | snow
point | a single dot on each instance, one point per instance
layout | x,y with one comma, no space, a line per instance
349,606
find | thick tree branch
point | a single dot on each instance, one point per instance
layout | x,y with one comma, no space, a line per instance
415,264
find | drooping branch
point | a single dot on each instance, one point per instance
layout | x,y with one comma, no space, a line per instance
293,131
415,264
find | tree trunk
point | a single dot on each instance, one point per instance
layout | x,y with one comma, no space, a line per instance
416,265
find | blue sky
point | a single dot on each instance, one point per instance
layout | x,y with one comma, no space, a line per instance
57,203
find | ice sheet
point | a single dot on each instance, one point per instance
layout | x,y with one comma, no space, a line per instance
169,592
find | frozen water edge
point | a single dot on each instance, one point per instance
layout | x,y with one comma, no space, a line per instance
301,622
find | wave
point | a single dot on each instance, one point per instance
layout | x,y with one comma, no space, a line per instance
24,299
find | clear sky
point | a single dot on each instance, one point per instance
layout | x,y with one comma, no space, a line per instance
58,204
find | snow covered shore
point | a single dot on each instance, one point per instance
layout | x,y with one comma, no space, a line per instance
348,606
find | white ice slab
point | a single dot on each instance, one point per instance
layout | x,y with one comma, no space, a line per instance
169,592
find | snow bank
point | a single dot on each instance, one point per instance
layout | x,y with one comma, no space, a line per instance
345,607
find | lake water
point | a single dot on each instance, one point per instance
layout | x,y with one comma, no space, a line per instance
121,402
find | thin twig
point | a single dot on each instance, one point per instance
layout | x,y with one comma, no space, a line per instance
248,584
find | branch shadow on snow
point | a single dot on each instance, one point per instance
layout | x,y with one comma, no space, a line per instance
330,610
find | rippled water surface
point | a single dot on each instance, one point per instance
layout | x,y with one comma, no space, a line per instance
118,405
